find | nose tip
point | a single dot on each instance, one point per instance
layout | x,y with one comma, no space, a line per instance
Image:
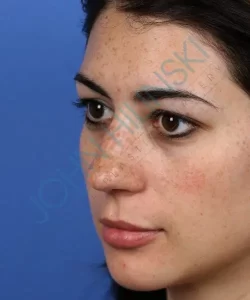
104,181
118,177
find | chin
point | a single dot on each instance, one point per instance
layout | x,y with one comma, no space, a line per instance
135,282
134,270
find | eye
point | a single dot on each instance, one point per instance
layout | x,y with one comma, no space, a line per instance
172,125
97,113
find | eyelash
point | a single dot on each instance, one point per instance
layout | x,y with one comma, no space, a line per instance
154,116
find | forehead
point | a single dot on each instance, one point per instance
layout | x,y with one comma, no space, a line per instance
124,52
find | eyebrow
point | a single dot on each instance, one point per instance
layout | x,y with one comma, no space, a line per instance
146,95
81,78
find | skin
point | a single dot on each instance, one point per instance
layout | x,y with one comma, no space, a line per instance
196,189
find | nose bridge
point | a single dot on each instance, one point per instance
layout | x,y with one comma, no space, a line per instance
123,136
119,168
125,128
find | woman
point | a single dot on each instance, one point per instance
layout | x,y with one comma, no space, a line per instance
166,145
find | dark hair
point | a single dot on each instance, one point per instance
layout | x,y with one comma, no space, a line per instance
224,23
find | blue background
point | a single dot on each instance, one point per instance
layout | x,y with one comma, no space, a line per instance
49,248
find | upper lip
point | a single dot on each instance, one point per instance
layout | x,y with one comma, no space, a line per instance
123,225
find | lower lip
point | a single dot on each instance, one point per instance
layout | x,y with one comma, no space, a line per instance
125,239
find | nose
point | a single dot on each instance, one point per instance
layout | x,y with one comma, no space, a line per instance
122,169
116,175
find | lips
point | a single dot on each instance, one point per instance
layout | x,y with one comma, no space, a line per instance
123,225
123,235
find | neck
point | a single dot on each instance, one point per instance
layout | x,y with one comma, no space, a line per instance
231,283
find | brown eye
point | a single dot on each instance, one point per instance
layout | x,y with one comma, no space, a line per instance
96,112
172,125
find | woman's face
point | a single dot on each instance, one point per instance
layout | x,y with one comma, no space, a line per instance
185,174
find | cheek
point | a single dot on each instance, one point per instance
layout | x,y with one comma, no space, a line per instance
190,181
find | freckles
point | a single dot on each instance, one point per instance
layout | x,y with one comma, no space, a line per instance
114,51
117,134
